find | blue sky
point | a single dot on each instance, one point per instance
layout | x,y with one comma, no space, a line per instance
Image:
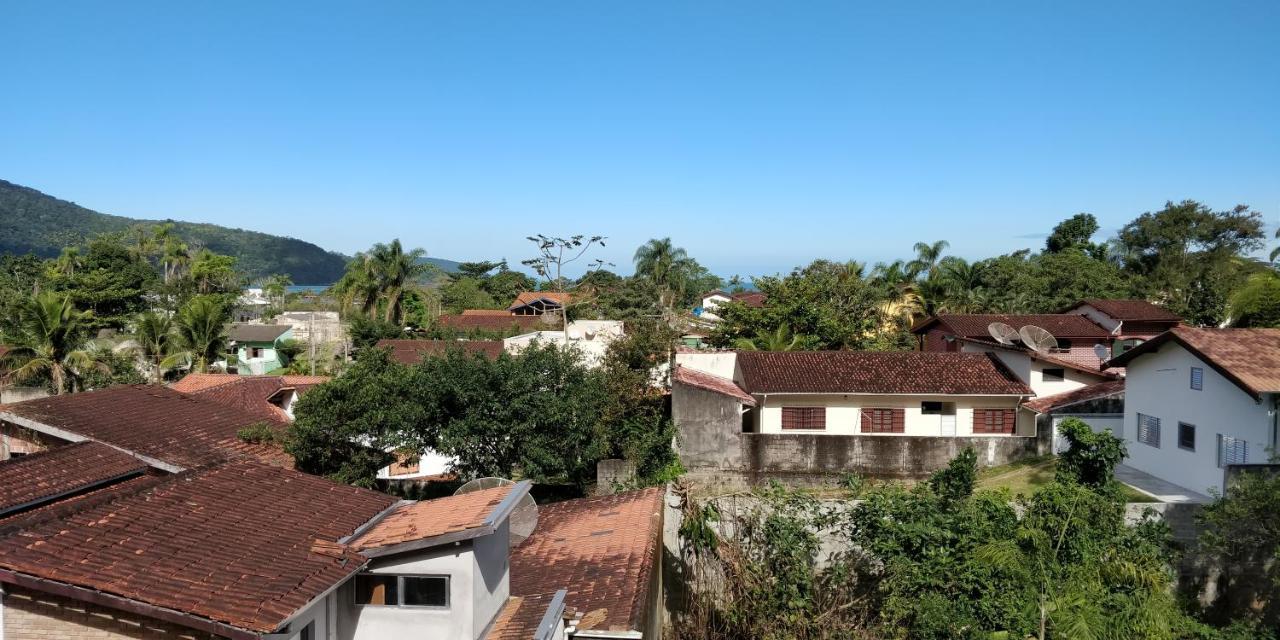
757,135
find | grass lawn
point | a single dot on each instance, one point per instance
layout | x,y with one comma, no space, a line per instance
1025,477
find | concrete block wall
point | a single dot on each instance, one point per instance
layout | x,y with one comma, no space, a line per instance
37,616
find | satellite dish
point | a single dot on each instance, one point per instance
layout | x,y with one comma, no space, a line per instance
1003,333
1100,350
1038,339
524,518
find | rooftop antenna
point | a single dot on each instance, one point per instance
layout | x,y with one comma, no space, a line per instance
1003,333
524,518
1038,339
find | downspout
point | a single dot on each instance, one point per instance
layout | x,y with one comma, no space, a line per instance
1,612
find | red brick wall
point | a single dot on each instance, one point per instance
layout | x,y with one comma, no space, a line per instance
31,614
15,439
935,340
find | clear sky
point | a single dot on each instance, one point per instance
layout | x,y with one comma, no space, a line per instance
757,135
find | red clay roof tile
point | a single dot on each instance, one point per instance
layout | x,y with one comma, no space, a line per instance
1134,310
234,543
1248,357
494,324
430,518
1045,404
30,480
412,351
887,372
708,382
603,550
1061,325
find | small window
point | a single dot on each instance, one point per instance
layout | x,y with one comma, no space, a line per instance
1186,436
308,632
931,408
377,590
800,418
1063,346
406,591
1002,421
1053,375
255,352
1232,451
884,421
430,591
1197,378
1149,430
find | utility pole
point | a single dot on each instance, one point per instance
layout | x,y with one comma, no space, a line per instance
311,335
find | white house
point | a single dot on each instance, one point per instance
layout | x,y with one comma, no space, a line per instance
711,301
590,337
1197,400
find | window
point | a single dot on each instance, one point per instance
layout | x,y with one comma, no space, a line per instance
1149,430
1124,345
884,420
1232,450
1063,346
1186,436
994,421
804,418
405,591
931,408
1053,375
255,352
1197,378
308,632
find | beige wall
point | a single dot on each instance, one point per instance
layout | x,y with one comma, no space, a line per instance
33,615
844,413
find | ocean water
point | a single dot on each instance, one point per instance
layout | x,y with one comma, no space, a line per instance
308,288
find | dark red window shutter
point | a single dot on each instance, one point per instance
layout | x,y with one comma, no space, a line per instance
884,420
804,418
994,421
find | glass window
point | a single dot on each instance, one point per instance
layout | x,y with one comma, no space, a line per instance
1053,375
377,590
1186,436
1149,430
426,591
1197,378
931,408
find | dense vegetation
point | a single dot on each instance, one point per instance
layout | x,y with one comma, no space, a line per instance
33,222
939,561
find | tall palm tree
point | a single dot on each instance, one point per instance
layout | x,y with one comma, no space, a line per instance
395,271
69,261
666,266
358,285
201,333
157,341
48,335
927,257
176,257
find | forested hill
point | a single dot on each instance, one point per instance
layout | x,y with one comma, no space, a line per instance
31,221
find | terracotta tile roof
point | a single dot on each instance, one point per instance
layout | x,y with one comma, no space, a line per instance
257,332
708,382
1061,325
242,544
1136,310
528,297
157,423
61,507
889,372
416,521
1045,404
249,393
193,382
750,298
521,617
29,480
603,550
487,312
496,324
1248,357
412,351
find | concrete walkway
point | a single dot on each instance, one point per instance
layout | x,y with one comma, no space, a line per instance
1164,491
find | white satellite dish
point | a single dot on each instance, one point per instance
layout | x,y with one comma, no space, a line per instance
1038,339
1101,351
1003,333
524,518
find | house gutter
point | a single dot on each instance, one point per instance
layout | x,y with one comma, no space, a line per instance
550,620
618,635
100,598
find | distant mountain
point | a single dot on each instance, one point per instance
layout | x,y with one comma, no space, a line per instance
447,266
31,221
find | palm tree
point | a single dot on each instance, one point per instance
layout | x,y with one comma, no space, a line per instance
927,257
69,261
157,341
176,256
395,271
664,265
276,287
201,336
779,339
48,335
358,285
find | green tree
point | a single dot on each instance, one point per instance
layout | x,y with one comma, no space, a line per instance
779,339
927,257
201,328
1091,456
276,287
505,285
466,293
397,270
666,266
1241,534
111,282
1075,232
47,335
1257,302
157,341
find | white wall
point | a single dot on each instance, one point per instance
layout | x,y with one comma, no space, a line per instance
709,303
1031,371
716,363
1159,385
1098,317
430,463
1113,423
491,585
603,332
844,413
